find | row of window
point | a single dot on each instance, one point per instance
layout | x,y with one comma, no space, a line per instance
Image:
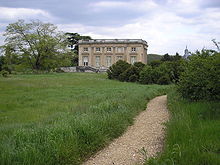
109,49
108,60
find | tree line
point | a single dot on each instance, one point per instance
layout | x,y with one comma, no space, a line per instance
196,78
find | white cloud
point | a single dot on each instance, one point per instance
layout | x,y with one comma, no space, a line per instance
141,5
167,27
11,14
165,31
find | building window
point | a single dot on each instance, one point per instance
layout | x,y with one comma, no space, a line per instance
133,59
108,61
97,61
98,49
120,49
85,60
109,49
85,49
119,58
133,49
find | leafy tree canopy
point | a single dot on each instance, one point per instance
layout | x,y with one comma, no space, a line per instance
72,40
39,45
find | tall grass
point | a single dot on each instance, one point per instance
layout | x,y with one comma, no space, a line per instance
193,133
65,118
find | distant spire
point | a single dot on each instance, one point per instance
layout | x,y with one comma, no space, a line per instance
186,53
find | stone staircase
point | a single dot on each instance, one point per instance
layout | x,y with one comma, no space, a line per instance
90,69
84,69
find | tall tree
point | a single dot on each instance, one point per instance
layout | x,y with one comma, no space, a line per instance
177,57
73,39
166,57
39,44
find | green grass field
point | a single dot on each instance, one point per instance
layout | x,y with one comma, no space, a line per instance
193,133
64,118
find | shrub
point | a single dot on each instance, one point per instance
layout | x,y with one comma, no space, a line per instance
146,75
156,63
164,80
173,69
201,79
133,78
139,65
132,70
4,73
118,68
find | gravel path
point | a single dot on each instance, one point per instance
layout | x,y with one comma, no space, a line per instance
147,134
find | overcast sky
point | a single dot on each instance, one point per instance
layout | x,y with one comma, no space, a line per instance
167,25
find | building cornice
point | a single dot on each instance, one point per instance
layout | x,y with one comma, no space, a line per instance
113,41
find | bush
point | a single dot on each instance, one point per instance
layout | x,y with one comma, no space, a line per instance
159,73
164,80
116,69
131,71
133,78
173,69
4,73
146,75
201,79
139,65
156,63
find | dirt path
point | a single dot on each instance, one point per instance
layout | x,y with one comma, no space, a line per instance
147,134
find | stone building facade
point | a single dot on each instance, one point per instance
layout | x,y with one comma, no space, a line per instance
102,53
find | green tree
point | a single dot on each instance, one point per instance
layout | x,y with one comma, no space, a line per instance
177,57
38,44
72,40
201,78
10,58
166,57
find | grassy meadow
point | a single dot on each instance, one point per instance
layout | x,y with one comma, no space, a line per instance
65,118
193,133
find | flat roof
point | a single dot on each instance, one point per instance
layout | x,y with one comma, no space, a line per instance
115,41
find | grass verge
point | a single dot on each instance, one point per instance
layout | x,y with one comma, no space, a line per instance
65,118
193,133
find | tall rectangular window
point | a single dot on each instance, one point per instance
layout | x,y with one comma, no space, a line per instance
133,59
108,61
85,60
97,61
85,49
